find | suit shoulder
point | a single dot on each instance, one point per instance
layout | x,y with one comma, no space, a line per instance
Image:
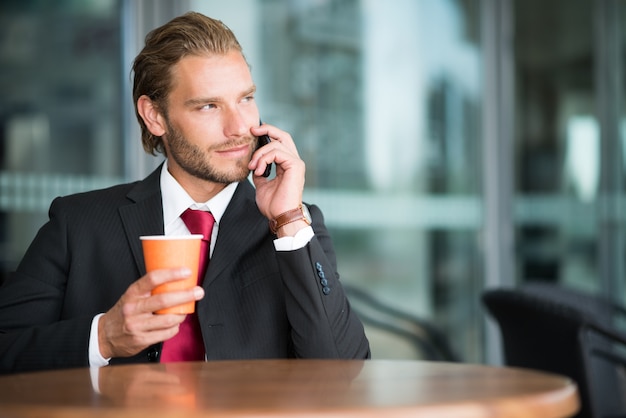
112,195
118,194
104,193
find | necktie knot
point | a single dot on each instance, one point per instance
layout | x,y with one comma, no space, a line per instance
199,222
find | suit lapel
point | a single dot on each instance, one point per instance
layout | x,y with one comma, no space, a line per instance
144,216
241,221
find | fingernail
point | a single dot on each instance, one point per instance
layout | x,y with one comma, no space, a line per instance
198,293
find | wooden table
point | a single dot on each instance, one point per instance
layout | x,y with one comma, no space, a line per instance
289,388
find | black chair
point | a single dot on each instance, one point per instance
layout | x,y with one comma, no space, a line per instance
563,331
428,341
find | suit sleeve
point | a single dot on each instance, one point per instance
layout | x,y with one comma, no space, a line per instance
323,324
33,333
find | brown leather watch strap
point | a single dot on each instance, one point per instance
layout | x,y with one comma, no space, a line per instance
286,218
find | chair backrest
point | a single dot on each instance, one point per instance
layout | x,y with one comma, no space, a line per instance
563,331
427,340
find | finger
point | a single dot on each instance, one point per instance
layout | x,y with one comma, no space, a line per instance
156,278
159,323
276,135
166,300
274,152
261,159
259,164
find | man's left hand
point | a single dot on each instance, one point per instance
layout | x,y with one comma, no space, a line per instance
283,192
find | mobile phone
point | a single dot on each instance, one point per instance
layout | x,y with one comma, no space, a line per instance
264,140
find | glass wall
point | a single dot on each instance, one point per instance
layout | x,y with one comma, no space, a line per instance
383,100
557,141
60,123
452,144
568,152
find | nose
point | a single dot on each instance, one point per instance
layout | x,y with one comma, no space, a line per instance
235,124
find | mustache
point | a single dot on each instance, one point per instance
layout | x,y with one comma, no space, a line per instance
233,143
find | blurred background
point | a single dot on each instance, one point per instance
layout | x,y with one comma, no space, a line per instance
453,145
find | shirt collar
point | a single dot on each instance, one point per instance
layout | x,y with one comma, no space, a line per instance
176,200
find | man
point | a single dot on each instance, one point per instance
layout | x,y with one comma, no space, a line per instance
81,295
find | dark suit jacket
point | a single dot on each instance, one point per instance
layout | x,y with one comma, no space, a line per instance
259,303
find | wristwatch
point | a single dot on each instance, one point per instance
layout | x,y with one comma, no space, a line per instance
293,215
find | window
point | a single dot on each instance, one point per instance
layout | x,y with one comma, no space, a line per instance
384,101
60,124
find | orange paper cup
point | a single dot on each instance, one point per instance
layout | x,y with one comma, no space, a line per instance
166,252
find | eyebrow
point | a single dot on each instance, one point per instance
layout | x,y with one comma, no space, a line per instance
204,100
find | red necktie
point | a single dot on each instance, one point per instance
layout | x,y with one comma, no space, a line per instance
187,345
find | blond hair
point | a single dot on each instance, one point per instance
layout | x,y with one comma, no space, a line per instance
189,34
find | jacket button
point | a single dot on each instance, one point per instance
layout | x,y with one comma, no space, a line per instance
326,290
153,355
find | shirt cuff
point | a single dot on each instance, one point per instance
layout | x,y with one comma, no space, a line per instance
95,358
301,239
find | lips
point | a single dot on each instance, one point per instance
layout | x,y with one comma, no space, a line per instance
238,150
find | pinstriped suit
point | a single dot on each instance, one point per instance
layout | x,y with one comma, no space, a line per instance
258,303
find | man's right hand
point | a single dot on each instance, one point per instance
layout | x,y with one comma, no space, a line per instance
131,324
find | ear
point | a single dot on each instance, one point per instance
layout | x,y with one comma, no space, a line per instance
151,116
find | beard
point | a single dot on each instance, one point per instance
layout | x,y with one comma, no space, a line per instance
197,161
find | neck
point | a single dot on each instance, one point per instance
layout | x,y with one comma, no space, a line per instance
199,190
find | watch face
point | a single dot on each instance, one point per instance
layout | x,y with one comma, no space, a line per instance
306,213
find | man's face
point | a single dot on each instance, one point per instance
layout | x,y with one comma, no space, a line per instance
210,111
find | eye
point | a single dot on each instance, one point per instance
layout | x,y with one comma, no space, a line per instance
207,106
248,99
